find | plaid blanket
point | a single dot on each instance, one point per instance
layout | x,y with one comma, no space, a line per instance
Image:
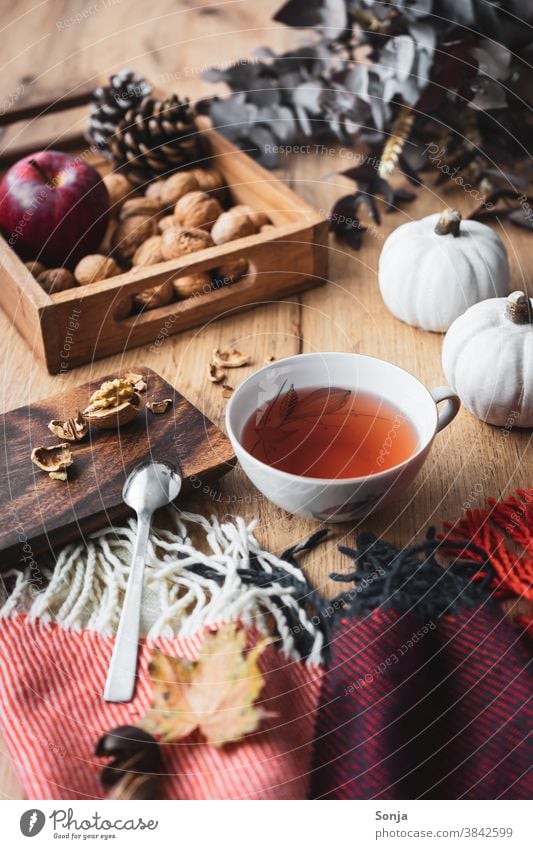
412,683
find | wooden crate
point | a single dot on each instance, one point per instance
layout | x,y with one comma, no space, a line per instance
79,325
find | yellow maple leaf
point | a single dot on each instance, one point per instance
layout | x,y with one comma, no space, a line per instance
215,693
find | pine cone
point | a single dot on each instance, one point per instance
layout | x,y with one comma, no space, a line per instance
125,90
155,138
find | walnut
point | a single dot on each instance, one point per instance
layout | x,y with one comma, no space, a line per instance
154,190
179,241
95,267
130,234
198,283
167,221
55,460
230,272
197,209
35,268
232,225
56,280
176,186
140,206
115,403
157,296
260,219
105,244
149,252
210,180
118,188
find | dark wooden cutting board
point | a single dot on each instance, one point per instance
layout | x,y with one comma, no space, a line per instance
40,514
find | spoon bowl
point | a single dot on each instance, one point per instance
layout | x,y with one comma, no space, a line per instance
151,485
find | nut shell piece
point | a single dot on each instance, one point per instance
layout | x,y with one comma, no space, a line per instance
72,429
54,459
229,359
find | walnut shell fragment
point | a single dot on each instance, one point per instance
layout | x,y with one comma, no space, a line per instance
159,407
54,459
227,390
216,374
229,359
72,429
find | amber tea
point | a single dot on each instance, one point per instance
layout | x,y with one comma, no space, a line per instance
329,432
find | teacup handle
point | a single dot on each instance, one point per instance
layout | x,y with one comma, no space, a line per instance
452,405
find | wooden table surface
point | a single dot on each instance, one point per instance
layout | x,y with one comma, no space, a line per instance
48,46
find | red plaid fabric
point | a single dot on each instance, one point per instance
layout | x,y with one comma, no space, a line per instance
52,714
425,709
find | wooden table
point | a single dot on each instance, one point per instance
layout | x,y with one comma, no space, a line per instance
171,42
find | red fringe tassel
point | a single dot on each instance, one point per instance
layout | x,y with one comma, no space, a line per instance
492,529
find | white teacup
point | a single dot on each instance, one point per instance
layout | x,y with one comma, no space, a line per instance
339,499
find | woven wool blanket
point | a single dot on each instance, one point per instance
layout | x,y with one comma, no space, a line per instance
412,683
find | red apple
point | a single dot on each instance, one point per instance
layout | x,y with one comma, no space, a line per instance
53,208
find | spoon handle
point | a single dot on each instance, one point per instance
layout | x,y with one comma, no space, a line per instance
120,682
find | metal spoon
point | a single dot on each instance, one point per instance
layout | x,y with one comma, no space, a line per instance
149,486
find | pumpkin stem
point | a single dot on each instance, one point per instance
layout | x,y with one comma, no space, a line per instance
519,308
449,222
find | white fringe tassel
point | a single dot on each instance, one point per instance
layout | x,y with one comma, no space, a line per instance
86,587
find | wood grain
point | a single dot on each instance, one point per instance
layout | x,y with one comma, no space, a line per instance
171,41
41,514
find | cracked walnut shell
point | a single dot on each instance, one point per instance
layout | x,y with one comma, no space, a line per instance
197,209
180,241
115,403
130,234
95,267
54,459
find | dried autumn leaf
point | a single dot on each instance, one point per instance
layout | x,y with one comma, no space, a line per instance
214,694
229,359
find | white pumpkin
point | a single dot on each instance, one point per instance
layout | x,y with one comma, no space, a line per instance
432,270
487,358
